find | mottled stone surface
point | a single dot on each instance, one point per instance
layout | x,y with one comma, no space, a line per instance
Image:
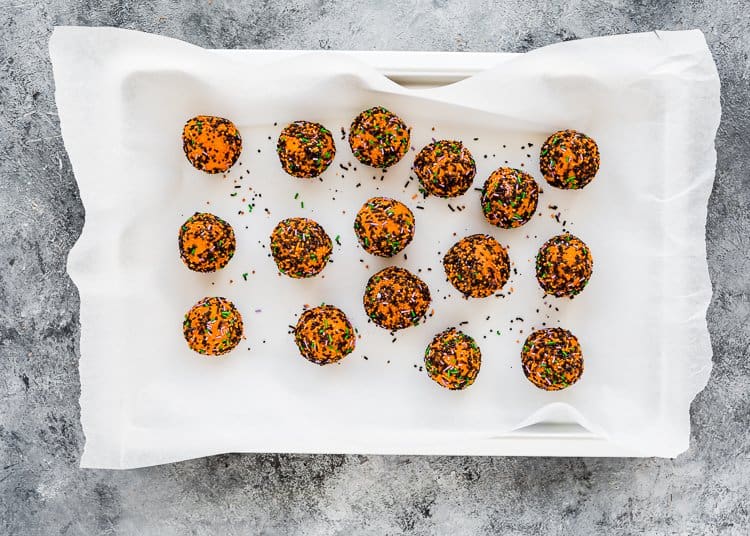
42,491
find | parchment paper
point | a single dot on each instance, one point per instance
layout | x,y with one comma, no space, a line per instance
651,101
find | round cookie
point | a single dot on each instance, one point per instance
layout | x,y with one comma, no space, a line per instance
452,359
206,242
211,144
477,266
564,265
213,326
384,226
445,168
396,299
324,335
509,197
305,149
569,159
552,359
379,138
300,247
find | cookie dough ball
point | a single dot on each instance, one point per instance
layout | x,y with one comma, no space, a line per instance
206,242
564,265
509,197
477,266
379,138
300,247
213,326
324,335
384,226
396,299
305,149
569,159
445,168
452,359
552,359
211,144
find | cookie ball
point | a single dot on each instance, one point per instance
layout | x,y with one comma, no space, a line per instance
324,335
396,298
206,242
552,359
211,144
213,326
379,138
305,149
300,247
509,197
384,226
445,168
564,265
453,359
477,266
569,159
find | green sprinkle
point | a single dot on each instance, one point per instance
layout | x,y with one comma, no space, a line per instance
244,276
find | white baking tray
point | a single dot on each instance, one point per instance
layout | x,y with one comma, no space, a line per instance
557,433
145,400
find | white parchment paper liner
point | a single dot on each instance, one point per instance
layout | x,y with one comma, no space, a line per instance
650,100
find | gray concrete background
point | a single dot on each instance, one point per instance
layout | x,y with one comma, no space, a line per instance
42,491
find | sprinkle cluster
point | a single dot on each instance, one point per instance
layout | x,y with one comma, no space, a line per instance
509,197
569,159
211,144
379,138
213,326
305,149
564,265
445,168
552,359
206,242
453,359
477,266
324,335
384,226
395,298
300,247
